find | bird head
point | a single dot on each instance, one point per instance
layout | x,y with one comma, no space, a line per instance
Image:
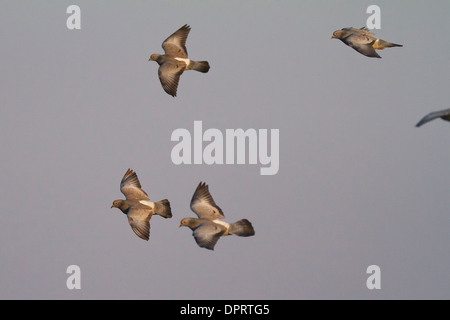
184,223
338,34
153,57
116,204
191,223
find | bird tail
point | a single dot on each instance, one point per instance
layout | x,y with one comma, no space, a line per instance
163,209
242,228
381,44
201,66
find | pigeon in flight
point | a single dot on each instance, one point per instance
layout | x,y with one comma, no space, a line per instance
138,207
175,61
207,228
363,41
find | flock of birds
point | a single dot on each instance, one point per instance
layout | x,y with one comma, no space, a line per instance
207,228
175,59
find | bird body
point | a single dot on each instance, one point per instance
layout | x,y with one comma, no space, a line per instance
160,208
138,207
186,61
363,41
225,224
207,228
175,60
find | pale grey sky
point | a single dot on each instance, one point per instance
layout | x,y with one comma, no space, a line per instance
358,184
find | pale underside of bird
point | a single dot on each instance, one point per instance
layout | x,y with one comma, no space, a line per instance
207,228
443,114
175,60
363,41
138,207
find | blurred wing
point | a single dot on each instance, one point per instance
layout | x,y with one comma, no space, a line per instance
131,187
169,74
360,31
203,204
207,234
175,44
139,221
432,116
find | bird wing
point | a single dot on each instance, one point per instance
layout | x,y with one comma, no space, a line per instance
363,45
139,220
169,74
360,31
175,44
361,36
131,187
202,203
432,116
207,234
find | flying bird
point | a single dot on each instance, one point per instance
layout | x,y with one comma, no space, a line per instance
175,61
443,114
138,207
207,228
363,41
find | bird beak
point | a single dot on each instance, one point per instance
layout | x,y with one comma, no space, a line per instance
112,206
